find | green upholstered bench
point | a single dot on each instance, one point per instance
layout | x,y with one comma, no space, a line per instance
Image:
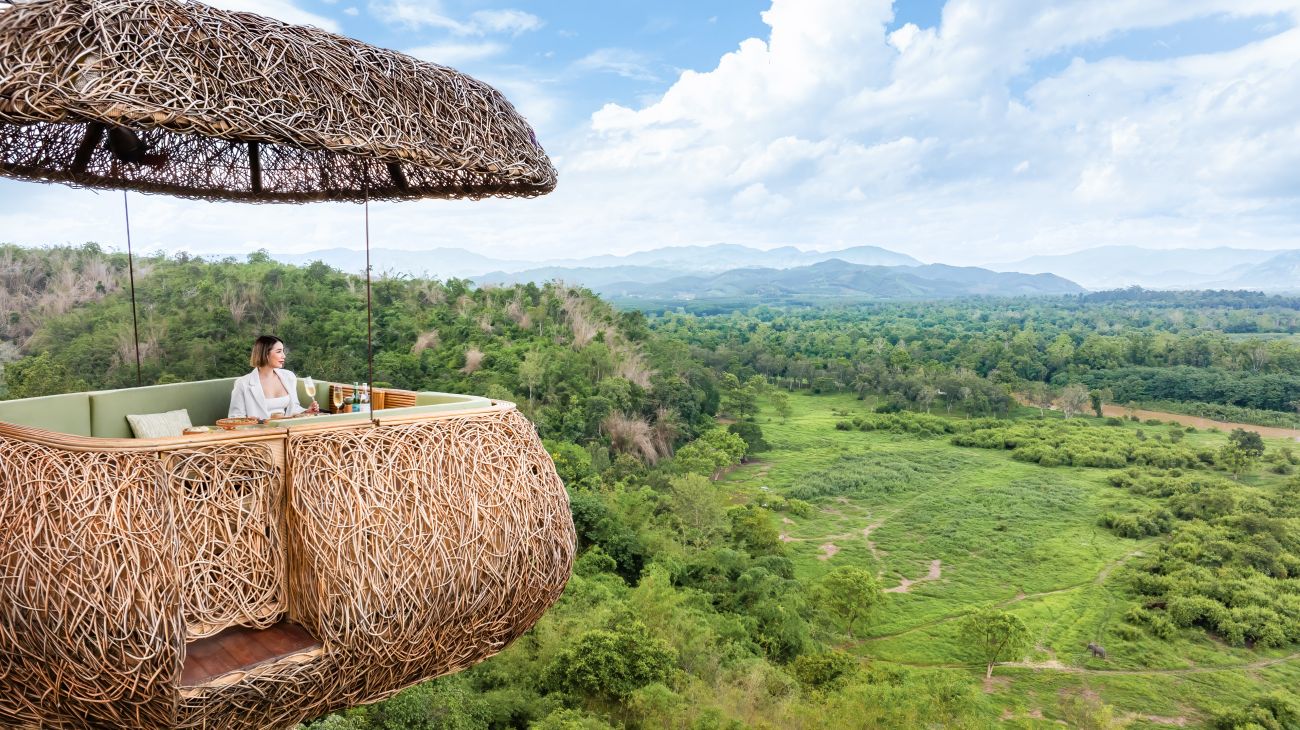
102,413
206,401
69,413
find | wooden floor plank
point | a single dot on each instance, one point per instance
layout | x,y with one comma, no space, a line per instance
242,648
286,640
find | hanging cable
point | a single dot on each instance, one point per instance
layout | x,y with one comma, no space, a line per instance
130,267
370,350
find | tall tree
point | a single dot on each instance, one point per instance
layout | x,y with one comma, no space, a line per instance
1074,398
531,371
781,401
1099,397
849,593
995,636
1242,451
1040,394
712,452
739,400
700,507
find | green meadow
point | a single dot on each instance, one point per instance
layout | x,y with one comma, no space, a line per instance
950,529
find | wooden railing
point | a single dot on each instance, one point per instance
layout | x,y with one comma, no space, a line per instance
381,397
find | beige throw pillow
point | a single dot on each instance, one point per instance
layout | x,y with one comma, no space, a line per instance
159,425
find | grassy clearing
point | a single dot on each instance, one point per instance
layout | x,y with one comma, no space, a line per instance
1005,533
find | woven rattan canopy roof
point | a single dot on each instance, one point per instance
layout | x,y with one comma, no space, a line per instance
174,97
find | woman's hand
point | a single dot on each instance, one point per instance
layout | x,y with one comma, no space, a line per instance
314,409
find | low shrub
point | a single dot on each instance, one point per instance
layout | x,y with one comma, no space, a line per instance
1280,710
1075,443
1135,526
912,423
798,507
1229,564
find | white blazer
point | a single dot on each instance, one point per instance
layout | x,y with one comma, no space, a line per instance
247,398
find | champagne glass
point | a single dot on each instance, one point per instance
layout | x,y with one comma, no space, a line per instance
309,386
337,398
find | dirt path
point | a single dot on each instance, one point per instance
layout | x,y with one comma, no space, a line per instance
763,468
1058,667
905,584
1269,431
1111,566
871,545
1051,662
1118,411
866,533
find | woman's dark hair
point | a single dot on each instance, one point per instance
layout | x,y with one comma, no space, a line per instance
262,350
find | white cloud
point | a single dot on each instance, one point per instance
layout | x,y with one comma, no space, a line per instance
286,10
513,22
756,201
903,37
417,14
451,54
430,14
620,61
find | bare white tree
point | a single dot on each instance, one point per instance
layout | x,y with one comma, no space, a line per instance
1074,399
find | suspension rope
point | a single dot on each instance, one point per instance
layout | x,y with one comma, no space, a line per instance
130,267
370,350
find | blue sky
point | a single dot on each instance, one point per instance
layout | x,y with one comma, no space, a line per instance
966,131
580,54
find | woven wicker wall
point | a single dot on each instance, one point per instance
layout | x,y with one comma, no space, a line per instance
89,634
411,550
229,501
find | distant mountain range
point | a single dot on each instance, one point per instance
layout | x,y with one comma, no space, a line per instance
836,279
1277,273
666,262
1112,267
741,272
726,256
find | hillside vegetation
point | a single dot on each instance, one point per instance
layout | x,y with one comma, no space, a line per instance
571,361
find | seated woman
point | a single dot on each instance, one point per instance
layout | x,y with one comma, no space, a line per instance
269,389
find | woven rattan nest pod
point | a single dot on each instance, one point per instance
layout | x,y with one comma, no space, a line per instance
253,579
175,97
